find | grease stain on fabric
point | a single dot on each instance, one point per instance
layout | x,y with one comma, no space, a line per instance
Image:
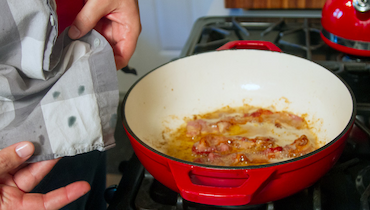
56,94
71,121
42,139
81,90
113,121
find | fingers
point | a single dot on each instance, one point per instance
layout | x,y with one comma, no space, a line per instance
125,48
27,178
87,18
126,28
120,62
55,199
13,156
120,26
123,55
58,198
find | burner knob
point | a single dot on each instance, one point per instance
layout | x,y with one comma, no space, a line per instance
109,193
361,5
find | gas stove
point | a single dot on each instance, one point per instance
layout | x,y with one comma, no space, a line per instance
345,186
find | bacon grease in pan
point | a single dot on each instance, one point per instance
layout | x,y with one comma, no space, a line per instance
242,136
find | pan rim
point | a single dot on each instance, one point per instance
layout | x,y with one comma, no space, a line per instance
327,145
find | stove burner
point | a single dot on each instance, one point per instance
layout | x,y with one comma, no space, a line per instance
213,36
362,177
352,58
272,27
307,46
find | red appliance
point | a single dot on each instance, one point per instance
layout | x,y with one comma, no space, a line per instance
346,26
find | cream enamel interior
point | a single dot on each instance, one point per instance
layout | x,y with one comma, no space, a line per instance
208,81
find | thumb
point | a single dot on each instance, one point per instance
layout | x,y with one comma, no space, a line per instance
13,156
86,19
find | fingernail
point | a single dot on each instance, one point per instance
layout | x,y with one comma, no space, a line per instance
24,150
74,32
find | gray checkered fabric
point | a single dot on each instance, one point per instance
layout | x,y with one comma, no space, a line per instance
58,93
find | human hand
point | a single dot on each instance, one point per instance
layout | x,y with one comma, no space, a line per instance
117,20
16,181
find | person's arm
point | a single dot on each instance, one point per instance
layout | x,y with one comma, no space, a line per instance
117,20
16,181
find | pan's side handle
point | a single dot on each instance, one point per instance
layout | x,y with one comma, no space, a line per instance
217,186
250,44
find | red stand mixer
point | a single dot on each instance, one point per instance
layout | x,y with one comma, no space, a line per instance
346,26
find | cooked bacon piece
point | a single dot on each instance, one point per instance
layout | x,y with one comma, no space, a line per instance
220,150
275,152
217,159
278,124
261,112
277,118
209,128
243,143
223,147
214,158
292,120
232,159
239,119
223,126
257,158
203,147
241,158
299,147
276,149
210,143
197,127
225,139
256,144
263,143
193,128
202,127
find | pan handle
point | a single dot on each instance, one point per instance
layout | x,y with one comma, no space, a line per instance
250,44
362,126
213,188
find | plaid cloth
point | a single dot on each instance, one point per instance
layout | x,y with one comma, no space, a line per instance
58,93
